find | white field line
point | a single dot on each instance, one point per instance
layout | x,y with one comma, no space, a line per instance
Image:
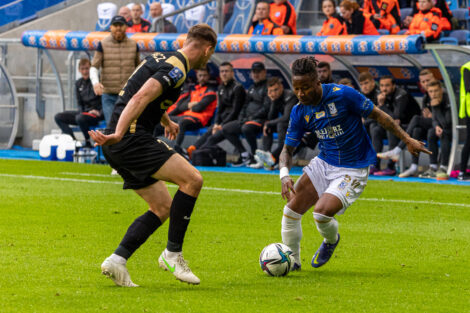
220,189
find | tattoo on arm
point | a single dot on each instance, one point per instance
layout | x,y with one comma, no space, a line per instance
388,123
285,159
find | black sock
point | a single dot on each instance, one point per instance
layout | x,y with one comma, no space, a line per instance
137,234
180,213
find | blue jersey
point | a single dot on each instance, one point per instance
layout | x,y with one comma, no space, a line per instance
336,121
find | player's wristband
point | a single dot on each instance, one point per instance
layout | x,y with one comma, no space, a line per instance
283,172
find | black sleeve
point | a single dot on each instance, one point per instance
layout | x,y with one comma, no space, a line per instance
168,76
288,14
201,105
400,106
79,96
262,113
239,96
100,47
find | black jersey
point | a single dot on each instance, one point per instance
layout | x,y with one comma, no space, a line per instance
170,70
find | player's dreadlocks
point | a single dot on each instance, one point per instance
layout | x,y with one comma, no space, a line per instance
305,66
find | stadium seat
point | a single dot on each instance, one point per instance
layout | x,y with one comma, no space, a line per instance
462,16
461,36
106,11
453,4
383,31
304,32
240,19
449,41
405,12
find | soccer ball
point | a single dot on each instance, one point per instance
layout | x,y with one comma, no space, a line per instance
276,259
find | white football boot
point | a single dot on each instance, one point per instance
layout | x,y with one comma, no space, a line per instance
176,264
117,272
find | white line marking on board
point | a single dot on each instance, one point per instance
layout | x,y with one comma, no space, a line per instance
77,180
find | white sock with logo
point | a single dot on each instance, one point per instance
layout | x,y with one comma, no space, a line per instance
291,231
327,226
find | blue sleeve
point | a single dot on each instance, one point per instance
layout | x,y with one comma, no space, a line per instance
357,102
295,131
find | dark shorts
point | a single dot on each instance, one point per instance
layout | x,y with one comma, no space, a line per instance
137,157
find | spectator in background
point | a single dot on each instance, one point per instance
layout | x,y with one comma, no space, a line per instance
418,128
282,102
262,24
195,110
370,90
324,73
137,24
451,21
399,104
282,12
334,24
346,82
231,97
155,12
252,116
428,21
356,22
117,56
385,14
125,12
89,105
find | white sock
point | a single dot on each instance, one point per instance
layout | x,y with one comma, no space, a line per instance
396,150
291,231
327,226
413,167
444,168
118,259
171,255
433,166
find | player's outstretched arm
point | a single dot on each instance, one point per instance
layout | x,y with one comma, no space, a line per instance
285,163
148,92
414,146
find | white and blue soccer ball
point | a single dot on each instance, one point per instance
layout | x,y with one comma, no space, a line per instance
276,259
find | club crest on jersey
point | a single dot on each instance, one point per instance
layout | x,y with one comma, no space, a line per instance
176,74
332,108
319,114
336,89
307,118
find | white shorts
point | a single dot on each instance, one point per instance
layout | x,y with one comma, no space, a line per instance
346,184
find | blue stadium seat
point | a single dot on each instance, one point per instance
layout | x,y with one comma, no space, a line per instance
453,4
304,32
383,31
449,41
461,36
404,12
240,20
463,17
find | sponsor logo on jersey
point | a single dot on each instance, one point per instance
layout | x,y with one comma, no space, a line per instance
329,132
332,108
176,74
319,114
336,89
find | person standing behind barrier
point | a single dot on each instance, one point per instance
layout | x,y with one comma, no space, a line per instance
137,24
252,116
334,24
464,113
356,22
89,105
282,102
117,56
231,97
262,24
282,12
155,12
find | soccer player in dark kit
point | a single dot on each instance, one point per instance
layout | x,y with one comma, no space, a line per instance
145,163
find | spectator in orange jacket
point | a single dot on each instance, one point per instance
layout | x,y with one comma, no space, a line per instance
196,109
282,12
428,21
334,24
448,20
262,24
356,22
137,24
385,14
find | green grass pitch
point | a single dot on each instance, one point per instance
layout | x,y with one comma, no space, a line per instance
409,252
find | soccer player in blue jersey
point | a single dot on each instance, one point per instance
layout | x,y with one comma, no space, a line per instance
334,179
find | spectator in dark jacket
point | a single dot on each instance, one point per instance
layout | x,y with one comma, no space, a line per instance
324,73
371,91
282,102
89,105
155,12
401,106
356,22
252,116
231,97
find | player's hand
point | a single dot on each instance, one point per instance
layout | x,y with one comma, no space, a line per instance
439,131
171,130
427,113
381,98
101,139
265,130
287,188
94,112
216,128
415,147
98,89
